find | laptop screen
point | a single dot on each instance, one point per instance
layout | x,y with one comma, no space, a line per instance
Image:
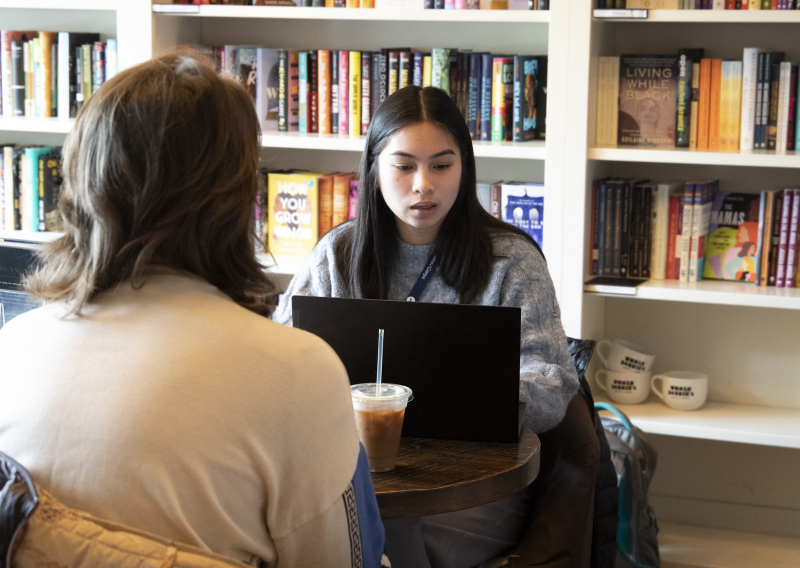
16,260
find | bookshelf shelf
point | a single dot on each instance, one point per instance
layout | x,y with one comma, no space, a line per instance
713,292
757,158
22,124
722,16
29,236
535,150
108,5
408,15
721,421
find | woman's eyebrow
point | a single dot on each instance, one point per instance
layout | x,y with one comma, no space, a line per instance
413,157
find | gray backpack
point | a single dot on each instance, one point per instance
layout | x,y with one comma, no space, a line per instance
634,459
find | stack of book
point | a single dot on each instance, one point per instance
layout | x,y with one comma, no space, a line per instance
49,74
688,232
30,183
429,4
687,101
502,98
699,4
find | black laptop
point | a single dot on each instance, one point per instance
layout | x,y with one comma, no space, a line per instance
16,260
462,362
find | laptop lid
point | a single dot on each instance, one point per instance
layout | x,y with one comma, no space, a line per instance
462,362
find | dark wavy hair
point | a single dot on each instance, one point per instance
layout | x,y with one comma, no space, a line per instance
463,245
161,167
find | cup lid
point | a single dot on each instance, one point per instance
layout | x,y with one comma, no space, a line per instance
389,392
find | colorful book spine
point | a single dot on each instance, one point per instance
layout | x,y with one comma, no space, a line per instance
426,71
701,217
394,70
777,213
324,97
499,68
735,105
375,84
766,241
313,92
354,97
608,229
344,82
783,242
683,100
294,92
416,74
486,96
792,118
334,92
475,91
283,90
748,94
366,75
440,69
704,106
404,69
714,105
772,115
724,107
686,232
352,212
672,234
303,92
341,198
624,222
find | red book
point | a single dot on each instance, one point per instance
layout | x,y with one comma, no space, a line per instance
672,232
792,122
731,4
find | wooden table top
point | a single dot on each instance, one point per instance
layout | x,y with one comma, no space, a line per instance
441,476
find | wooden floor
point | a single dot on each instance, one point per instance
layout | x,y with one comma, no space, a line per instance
685,546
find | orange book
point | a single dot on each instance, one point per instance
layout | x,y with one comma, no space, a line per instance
324,99
329,4
367,3
341,198
354,3
702,107
325,204
714,105
48,40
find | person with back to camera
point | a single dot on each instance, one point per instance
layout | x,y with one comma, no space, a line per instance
417,201
153,390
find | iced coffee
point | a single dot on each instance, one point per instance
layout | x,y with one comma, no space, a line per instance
379,417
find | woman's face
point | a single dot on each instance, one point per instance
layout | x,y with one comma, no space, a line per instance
419,172
649,112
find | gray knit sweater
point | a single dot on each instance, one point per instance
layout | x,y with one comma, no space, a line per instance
519,278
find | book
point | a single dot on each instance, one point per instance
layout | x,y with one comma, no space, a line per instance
341,197
10,48
701,217
240,65
484,193
787,207
283,90
487,62
393,72
366,84
354,95
646,230
303,88
615,246
734,106
609,211
440,69
416,69
792,111
772,115
766,237
674,237
658,255
601,224
714,106
30,182
294,92
497,200
623,218
325,212
267,88
334,92
524,102
768,59
344,84
475,92
684,95
748,94
608,101
783,106
313,92
292,225
46,85
792,246
353,203
404,69
648,84
375,84
762,215
51,178
501,77
777,214
703,106
732,244
540,97
324,92
594,231
686,232
522,205
426,70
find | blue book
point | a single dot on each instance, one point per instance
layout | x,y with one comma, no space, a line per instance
474,95
486,96
522,205
416,72
302,86
601,223
30,177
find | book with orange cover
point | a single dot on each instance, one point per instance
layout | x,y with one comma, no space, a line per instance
714,105
324,98
341,197
48,40
325,204
703,106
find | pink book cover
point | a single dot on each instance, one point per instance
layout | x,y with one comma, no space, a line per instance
460,4
344,62
783,243
791,261
353,212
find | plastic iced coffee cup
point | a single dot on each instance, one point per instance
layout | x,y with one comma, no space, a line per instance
379,417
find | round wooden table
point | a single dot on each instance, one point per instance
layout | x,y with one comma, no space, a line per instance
441,476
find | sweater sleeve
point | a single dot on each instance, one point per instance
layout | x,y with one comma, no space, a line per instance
548,379
316,277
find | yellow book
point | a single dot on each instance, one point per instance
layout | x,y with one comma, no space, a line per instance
736,106
354,96
755,4
292,224
426,71
695,106
329,3
724,108
353,3
367,3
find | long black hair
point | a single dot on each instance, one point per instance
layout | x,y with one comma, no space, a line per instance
365,255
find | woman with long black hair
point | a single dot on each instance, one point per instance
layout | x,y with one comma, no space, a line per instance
418,208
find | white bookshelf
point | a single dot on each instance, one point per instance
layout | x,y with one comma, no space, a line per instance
355,14
107,5
756,158
706,326
534,150
711,292
720,421
22,124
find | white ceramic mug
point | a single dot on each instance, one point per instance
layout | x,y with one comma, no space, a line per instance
623,355
681,390
625,387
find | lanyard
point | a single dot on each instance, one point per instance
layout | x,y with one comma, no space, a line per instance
422,280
